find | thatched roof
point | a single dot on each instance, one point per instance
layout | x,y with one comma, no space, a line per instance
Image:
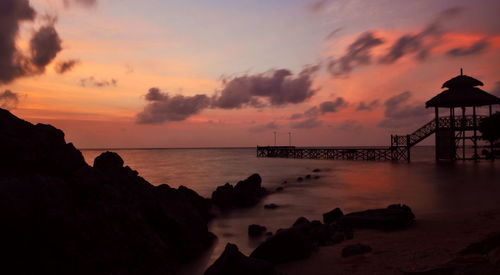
462,92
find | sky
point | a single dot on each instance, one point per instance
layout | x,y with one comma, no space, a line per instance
220,73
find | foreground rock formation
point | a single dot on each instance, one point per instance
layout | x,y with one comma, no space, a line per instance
61,216
245,193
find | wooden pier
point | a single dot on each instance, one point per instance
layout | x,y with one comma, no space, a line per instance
399,149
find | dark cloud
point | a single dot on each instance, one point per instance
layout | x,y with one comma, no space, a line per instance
85,3
422,42
277,87
317,5
367,106
44,44
475,48
66,66
9,100
322,108
400,113
12,13
162,107
332,106
358,53
264,127
91,81
308,123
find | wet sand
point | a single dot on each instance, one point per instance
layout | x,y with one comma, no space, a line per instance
431,241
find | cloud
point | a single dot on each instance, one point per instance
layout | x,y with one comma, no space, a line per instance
358,53
44,44
65,66
9,100
333,33
162,107
400,113
308,123
367,106
277,87
85,3
477,47
264,127
422,42
91,81
317,5
322,108
332,106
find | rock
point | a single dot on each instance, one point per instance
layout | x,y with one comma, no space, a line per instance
316,170
332,216
63,216
393,217
317,177
284,182
271,206
255,230
232,261
308,177
269,234
279,189
285,246
355,249
337,237
244,194
491,242
302,221
299,179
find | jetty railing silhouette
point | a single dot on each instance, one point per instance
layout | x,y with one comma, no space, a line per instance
399,149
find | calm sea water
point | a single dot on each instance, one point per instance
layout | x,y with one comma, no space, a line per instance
425,186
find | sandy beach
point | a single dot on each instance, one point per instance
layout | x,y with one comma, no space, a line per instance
431,241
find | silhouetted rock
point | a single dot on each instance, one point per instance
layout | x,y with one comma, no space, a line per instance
332,216
299,179
308,177
279,189
232,261
393,217
355,249
61,216
271,206
284,182
316,170
317,177
255,230
246,193
286,245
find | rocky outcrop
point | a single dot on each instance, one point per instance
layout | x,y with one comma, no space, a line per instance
232,261
255,230
246,193
61,216
332,216
393,217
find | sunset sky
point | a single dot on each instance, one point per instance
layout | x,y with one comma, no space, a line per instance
162,73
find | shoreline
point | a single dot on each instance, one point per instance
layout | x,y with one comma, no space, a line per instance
433,240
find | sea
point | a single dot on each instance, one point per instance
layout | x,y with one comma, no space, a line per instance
424,185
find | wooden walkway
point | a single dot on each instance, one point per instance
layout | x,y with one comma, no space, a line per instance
399,149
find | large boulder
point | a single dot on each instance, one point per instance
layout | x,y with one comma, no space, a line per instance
244,194
61,216
232,261
285,246
393,217
332,216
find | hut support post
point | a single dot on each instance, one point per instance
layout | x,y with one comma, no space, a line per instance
474,121
463,132
436,110
491,143
452,130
